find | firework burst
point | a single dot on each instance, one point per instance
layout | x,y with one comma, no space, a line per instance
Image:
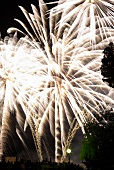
92,16
17,76
59,79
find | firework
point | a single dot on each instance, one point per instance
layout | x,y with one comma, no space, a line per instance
59,85
17,76
92,16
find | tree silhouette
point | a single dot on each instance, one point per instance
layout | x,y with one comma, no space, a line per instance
97,149
107,67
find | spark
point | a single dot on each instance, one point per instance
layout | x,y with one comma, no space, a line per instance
95,15
17,76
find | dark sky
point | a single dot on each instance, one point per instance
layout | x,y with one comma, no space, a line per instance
9,10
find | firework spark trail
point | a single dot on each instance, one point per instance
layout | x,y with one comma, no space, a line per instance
17,75
65,67
72,131
97,15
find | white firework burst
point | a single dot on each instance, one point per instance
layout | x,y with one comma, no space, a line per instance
64,76
92,16
18,74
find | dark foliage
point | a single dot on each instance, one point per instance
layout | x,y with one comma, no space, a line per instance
97,150
107,67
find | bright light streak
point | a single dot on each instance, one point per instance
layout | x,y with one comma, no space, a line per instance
95,15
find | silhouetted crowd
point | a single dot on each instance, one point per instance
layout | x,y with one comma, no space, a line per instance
44,165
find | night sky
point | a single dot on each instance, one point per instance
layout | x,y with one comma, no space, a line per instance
9,10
